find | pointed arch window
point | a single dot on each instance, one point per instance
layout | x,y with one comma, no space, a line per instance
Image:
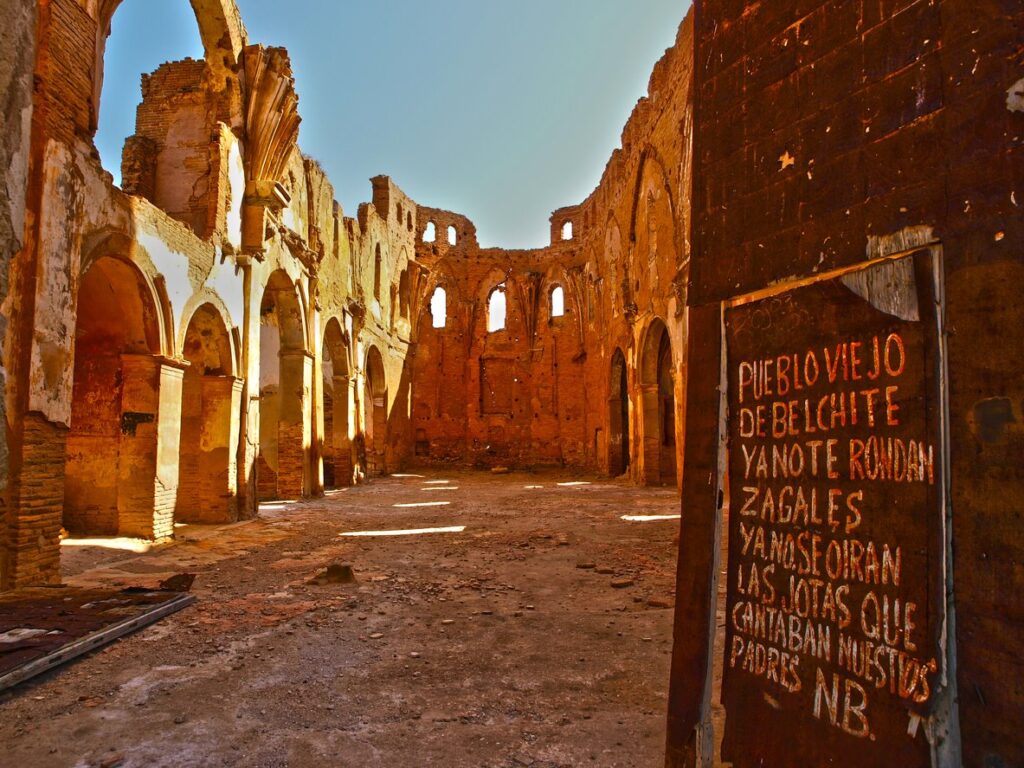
496,309
439,308
376,273
557,301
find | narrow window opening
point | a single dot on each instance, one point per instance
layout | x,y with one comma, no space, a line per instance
567,231
496,310
398,209
439,308
452,236
557,301
376,273
403,294
430,233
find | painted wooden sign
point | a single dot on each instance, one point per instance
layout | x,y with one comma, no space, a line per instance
834,572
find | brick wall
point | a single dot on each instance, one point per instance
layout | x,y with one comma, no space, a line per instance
822,129
36,500
622,271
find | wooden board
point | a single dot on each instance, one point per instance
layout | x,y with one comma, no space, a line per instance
834,573
44,627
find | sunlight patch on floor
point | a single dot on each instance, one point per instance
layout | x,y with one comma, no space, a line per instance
441,488
277,506
408,531
437,482
649,518
126,545
422,504
573,484
404,477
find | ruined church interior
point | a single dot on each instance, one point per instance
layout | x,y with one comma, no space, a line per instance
729,471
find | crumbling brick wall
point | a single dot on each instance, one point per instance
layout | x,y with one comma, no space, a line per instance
621,264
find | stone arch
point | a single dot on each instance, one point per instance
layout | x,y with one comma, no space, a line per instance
375,403
658,407
619,443
117,246
210,407
556,277
495,280
653,233
223,36
649,165
620,291
404,296
438,277
286,377
336,449
209,302
119,474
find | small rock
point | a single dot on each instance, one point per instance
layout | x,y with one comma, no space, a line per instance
605,570
448,622
181,582
414,655
622,583
376,635
586,565
499,470
179,719
335,573
114,761
657,602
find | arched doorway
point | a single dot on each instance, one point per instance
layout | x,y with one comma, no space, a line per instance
618,417
286,374
210,404
375,404
121,469
657,392
337,443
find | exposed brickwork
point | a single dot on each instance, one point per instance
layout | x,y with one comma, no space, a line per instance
539,391
36,497
174,125
829,133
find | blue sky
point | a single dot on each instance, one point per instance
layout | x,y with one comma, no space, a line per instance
502,110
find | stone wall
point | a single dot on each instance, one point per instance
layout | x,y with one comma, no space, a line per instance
539,392
831,136
17,54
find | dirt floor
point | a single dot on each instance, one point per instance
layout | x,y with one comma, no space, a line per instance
538,636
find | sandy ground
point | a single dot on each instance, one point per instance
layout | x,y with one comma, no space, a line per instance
486,647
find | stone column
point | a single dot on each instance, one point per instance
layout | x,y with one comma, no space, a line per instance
218,449
343,464
294,432
147,471
650,425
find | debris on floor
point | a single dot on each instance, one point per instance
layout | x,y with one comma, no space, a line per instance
335,573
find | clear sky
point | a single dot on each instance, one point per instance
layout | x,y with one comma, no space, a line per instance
502,110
